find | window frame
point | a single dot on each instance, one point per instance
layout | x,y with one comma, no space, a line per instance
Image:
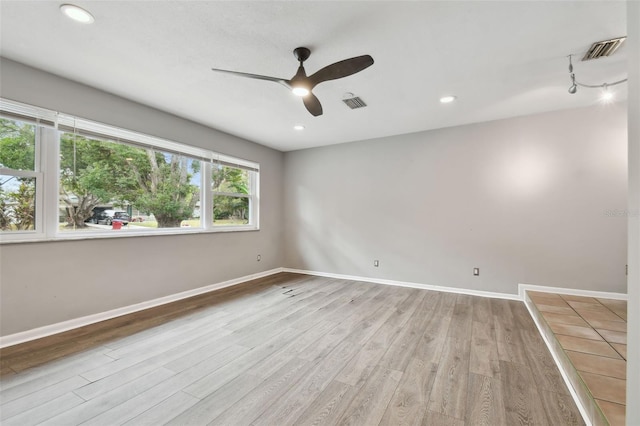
253,179
38,176
51,125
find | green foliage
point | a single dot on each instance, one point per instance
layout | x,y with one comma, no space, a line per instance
17,151
17,208
5,211
230,180
24,211
94,172
88,171
108,172
163,186
17,145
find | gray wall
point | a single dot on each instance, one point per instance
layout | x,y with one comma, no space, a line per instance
523,199
45,283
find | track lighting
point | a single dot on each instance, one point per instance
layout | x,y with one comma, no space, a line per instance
607,95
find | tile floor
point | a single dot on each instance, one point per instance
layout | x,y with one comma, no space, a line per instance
593,334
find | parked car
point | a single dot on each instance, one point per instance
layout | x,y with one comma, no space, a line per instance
107,217
97,211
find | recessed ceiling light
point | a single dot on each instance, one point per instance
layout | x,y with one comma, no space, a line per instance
298,127
447,99
77,13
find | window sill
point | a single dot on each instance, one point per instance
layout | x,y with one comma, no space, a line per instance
123,233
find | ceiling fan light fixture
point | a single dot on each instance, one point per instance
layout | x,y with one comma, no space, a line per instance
447,99
300,91
77,13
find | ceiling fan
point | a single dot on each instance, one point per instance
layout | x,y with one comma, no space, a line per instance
302,85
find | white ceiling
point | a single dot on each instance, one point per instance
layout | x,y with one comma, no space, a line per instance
501,59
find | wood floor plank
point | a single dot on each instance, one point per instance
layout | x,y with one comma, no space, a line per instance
508,340
401,350
409,402
97,406
167,409
484,350
286,409
367,358
230,369
285,308
36,378
172,350
429,348
99,387
485,404
216,403
462,318
560,409
259,398
482,311
521,400
216,355
432,419
371,401
294,349
449,393
545,371
39,397
328,407
42,412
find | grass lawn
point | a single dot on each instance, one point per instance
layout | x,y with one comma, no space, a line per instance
195,223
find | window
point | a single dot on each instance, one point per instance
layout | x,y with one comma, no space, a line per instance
105,181
19,176
231,195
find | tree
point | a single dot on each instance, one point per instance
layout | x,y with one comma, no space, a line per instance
94,172
24,209
5,212
17,152
89,172
230,180
164,186
17,145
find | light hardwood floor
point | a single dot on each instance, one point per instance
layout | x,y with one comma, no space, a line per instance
294,349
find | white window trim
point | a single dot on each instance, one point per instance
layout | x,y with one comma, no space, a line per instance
47,177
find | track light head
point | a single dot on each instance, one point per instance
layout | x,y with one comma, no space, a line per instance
607,95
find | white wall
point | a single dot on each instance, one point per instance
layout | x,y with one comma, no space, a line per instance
46,283
523,199
633,306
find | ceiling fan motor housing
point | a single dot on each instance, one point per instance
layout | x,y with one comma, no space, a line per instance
301,53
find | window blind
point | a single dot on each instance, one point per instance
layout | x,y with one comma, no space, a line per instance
66,123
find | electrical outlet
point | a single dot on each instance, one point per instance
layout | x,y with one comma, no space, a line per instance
476,271
259,258
376,263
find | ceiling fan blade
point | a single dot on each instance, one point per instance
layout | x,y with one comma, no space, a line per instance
282,81
341,69
313,104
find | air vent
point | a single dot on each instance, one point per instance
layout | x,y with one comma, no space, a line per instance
603,48
354,102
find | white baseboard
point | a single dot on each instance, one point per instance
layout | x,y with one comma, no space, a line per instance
407,284
48,330
569,291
